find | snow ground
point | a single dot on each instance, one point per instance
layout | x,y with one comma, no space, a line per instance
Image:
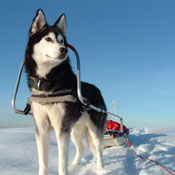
18,154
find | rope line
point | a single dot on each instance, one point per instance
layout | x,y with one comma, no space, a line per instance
146,159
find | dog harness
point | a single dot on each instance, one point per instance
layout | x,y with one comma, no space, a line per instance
44,100
61,96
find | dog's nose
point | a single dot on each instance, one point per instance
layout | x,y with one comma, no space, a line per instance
63,50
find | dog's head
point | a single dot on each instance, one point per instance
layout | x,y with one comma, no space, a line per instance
47,44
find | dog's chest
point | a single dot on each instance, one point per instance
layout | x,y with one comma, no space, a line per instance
55,112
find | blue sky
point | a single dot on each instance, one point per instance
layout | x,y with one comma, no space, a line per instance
127,49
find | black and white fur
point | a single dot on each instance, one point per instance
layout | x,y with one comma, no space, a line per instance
47,60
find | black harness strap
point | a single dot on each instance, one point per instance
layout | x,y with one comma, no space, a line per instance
27,109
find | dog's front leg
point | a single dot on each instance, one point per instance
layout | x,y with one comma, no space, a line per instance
42,139
42,136
63,139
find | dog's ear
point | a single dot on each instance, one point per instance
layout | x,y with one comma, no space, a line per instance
38,22
61,23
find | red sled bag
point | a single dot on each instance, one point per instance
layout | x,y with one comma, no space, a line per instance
113,135
115,126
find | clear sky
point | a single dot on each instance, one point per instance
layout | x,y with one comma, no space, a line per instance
126,47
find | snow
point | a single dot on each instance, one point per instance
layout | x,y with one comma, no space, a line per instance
18,154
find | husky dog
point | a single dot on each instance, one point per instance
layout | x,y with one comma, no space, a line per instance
50,77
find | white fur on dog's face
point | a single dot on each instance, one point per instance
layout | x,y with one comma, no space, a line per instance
46,53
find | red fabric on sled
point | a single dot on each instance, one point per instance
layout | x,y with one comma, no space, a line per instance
112,125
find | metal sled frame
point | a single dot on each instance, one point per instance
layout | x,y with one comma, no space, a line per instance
83,100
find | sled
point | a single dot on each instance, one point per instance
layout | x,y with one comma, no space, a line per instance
113,135
109,141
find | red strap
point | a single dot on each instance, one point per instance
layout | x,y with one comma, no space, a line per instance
71,47
129,144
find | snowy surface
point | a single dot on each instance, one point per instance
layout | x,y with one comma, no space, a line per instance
18,154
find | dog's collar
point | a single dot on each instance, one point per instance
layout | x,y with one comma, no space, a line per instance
40,84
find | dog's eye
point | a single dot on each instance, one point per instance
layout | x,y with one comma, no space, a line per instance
61,41
49,39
